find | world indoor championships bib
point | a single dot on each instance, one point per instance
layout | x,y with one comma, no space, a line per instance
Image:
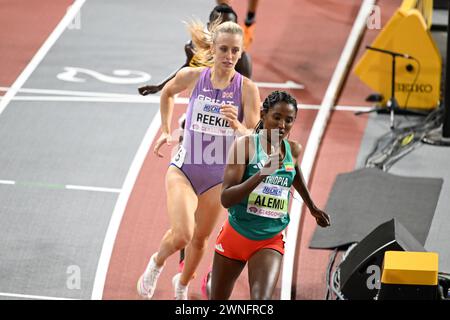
264,212
270,198
206,118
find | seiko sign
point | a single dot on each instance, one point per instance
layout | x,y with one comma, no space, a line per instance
419,87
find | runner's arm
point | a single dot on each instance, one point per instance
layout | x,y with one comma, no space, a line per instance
183,80
233,188
251,107
299,184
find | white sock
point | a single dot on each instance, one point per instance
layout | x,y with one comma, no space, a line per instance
179,285
153,263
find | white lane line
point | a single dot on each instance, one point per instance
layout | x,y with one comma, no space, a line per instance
286,85
7,182
275,85
131,99
42,52
70,92
56,186
155,100
315,139
27,296
352,108
135,99
95,189
119,209
337,108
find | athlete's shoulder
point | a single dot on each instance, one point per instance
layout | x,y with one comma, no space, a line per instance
190,72
296,148
249,86
250,90
246,82
188,76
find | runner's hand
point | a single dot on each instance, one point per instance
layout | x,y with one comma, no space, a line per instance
145,90
230,113
163,138
322,218
274,162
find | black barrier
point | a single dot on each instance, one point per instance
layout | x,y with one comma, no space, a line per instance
361,270
440,4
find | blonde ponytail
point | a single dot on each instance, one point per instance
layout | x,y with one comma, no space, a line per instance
202,40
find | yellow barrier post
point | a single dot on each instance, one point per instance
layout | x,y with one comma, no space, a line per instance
409,275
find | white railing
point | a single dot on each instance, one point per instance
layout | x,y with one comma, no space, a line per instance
315,139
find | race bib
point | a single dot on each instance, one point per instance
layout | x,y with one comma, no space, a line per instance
178,158
206,118
268,200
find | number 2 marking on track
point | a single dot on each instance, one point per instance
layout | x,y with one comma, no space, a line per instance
120,76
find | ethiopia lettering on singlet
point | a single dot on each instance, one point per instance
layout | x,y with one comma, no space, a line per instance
206,118
270,198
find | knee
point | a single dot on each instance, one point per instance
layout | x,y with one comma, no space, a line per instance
260,293
181,238
199,241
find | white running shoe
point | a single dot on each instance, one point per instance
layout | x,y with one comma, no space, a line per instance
146,284
181,292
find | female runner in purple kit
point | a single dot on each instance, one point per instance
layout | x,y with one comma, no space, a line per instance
222,105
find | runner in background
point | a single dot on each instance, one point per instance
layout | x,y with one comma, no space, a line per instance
224,13
249,23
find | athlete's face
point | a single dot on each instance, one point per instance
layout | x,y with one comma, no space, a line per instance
281,116
227,50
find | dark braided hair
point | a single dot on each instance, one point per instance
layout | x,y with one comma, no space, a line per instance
271,100
221,9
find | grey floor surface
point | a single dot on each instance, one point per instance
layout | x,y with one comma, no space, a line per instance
48,233
423,161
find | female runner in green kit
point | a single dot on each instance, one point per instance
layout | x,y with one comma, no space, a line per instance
256,191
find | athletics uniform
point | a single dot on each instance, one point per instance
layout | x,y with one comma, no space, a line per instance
257,221
207,135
